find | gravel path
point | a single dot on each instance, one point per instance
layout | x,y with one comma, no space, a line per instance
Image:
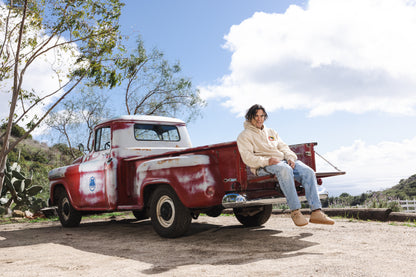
213,247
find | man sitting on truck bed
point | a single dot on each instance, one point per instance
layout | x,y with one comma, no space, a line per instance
265,153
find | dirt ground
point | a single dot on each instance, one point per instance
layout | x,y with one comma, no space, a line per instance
213,247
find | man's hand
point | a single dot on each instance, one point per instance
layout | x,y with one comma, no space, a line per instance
273,161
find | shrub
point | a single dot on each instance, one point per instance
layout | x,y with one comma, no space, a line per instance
16,131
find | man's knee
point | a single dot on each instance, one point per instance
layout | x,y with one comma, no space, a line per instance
284,170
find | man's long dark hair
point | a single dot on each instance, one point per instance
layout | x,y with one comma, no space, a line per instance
251,113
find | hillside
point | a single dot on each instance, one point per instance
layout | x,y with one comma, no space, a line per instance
406,189
38,158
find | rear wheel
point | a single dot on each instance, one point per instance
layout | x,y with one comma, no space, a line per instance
68,216
170,218
253,216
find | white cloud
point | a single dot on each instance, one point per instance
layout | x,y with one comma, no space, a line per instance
370,167
334,55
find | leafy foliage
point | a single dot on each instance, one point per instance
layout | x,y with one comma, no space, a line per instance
85,31
367,200
80,35
16,131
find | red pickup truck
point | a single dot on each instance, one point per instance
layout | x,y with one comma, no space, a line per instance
146,164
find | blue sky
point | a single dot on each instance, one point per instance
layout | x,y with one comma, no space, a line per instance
338,72
342,75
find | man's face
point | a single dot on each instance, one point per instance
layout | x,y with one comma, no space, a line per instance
258,119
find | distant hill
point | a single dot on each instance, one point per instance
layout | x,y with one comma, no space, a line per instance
406,189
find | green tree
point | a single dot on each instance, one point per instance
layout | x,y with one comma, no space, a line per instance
87,31
155,87
344,195
16,130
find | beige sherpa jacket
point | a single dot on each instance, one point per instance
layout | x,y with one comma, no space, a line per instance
257,146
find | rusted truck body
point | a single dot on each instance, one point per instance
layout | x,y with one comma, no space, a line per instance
146,165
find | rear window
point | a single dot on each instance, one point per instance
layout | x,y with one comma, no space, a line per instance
156,132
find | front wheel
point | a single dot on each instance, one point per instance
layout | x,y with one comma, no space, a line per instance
140,215
170,218
68,216
253,216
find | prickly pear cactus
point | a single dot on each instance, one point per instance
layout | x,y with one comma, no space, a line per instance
18,189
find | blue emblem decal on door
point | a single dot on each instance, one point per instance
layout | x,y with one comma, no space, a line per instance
92,183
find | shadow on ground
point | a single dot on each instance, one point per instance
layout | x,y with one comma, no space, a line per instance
204,243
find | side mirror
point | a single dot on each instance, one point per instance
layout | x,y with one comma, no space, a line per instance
81,147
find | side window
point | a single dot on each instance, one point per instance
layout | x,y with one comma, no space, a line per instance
102,139
155,132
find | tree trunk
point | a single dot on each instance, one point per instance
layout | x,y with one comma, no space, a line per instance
16,90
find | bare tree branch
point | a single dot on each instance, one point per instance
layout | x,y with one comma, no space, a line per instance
42,118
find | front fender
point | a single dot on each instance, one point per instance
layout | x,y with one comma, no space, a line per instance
53,187
66,177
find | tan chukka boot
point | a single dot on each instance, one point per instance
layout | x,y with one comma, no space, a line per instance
298,218
319,217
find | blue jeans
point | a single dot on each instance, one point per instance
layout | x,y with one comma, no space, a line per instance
286,176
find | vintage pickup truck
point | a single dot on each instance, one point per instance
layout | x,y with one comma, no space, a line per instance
146,164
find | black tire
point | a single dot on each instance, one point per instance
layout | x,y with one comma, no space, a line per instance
170,218
68,216
215,212
257,219
140,215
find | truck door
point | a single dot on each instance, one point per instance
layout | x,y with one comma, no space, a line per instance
94,171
